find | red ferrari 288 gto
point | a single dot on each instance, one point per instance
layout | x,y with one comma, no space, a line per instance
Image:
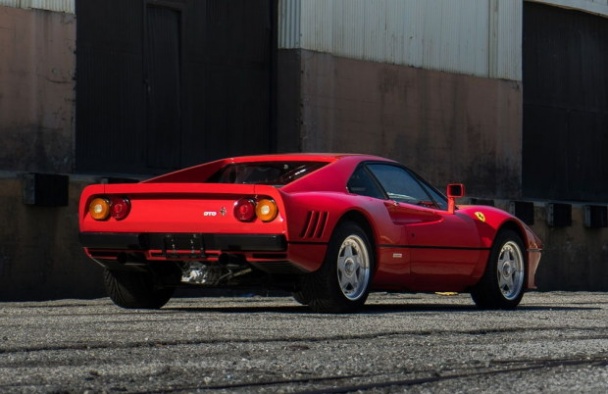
329,228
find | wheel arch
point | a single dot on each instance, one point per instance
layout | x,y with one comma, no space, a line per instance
361,220
512,225
515,227
499,293
532,249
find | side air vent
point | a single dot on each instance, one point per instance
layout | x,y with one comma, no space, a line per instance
315,224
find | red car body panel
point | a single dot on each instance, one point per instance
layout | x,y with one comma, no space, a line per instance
417,248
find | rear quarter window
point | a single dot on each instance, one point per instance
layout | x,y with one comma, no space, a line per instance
265,173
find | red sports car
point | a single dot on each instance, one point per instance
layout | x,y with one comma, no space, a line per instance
329,228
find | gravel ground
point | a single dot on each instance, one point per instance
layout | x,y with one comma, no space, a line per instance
415,343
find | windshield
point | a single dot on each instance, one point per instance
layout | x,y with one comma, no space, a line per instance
265,173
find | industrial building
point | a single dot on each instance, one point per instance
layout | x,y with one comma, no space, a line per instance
509,97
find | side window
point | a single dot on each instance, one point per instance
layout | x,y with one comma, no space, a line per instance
399,184
439,199
362,183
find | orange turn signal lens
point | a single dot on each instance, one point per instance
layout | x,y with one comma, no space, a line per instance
266,210
99,209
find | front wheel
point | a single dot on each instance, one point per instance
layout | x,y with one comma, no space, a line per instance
502,286
135,289
342,283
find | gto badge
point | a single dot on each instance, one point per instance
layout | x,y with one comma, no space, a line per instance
209,213
480,216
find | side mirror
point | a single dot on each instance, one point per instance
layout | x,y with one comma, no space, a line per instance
455,190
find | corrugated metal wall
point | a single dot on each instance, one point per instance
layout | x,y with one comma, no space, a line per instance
476,37
66,6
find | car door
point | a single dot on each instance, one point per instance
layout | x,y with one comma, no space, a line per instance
443,248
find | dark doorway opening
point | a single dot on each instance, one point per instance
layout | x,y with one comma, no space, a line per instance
167,84
162,84
565,125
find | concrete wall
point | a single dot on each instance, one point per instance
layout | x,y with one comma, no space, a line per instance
448,127
40,255
37,64
575,258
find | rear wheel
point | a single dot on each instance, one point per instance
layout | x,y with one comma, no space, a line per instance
503,284
300,297
342,283
135,289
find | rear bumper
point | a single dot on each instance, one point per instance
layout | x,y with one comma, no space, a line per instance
184,241
267,252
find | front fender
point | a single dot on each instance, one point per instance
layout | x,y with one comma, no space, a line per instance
491,220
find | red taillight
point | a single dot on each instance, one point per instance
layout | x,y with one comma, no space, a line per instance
244,210
120,208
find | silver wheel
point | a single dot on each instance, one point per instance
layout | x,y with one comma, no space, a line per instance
510,270
502,285
342,283
353,267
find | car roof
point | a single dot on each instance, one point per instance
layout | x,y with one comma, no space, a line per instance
305,156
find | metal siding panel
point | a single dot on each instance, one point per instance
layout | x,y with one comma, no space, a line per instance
476,37
348,38
289,24
66,6
457,34
508,40
11,3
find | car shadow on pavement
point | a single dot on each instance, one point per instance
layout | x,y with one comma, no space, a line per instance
389,308
396,308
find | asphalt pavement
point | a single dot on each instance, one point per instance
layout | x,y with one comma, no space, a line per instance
416,343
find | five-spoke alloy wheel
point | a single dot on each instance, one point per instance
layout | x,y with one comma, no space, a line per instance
353,268
503,283
342,283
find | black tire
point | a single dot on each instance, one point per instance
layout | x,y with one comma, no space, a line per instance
504,281
135,290
342,283
300,297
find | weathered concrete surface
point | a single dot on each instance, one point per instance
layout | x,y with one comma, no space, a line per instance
37,65
554,343
575,257
448,127
40,255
